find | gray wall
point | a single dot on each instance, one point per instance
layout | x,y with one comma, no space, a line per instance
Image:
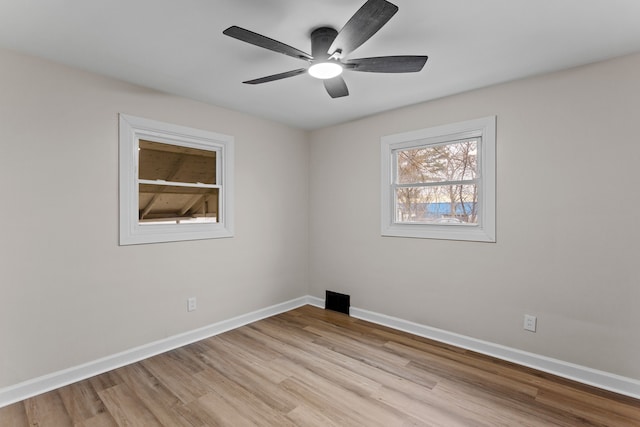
307,219
68,293
567,220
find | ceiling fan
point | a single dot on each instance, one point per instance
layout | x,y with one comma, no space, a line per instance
329,48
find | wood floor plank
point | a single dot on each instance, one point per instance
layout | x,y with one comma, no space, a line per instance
228,368
250,358
370,358
585,411
47,410
160,401
322,365
126,409
443,366
213,410
369,374
358,403
339,413
501,411
263,352
245,401
101,420
13,416
314,367
81,401
104,381
176,377
302,415
424,407
371,354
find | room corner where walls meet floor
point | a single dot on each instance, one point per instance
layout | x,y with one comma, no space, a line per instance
600,379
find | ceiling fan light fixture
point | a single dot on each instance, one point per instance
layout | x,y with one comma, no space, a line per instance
325,70
329,47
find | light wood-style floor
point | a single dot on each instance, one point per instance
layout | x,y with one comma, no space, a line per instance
311,367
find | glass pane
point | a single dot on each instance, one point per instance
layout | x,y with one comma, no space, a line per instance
440,204
176,163
164,203
457,161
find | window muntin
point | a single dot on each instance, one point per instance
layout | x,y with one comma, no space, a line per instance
440,182
176,183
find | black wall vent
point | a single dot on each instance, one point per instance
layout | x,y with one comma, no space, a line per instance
337,302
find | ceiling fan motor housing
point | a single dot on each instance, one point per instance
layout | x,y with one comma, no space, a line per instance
321,39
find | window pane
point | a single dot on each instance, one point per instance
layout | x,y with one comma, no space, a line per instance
177,204
437,163
176,163
440,204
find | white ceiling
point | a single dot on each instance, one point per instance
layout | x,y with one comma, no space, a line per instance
178,47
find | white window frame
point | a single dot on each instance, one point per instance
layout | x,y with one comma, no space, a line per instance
485,229
132,130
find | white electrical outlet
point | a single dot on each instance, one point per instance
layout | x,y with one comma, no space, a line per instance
530,322
191,304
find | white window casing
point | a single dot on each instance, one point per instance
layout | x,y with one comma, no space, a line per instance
132,131
484,230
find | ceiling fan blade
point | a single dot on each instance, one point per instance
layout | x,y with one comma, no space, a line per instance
387,64
362,25
274,77
265,42
336,87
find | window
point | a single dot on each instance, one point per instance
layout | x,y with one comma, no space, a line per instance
176,183
440,182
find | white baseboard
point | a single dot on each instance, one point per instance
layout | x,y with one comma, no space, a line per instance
604,380
601,379
315,301
36,386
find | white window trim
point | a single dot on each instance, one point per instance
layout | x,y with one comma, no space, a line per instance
132,129
485,230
